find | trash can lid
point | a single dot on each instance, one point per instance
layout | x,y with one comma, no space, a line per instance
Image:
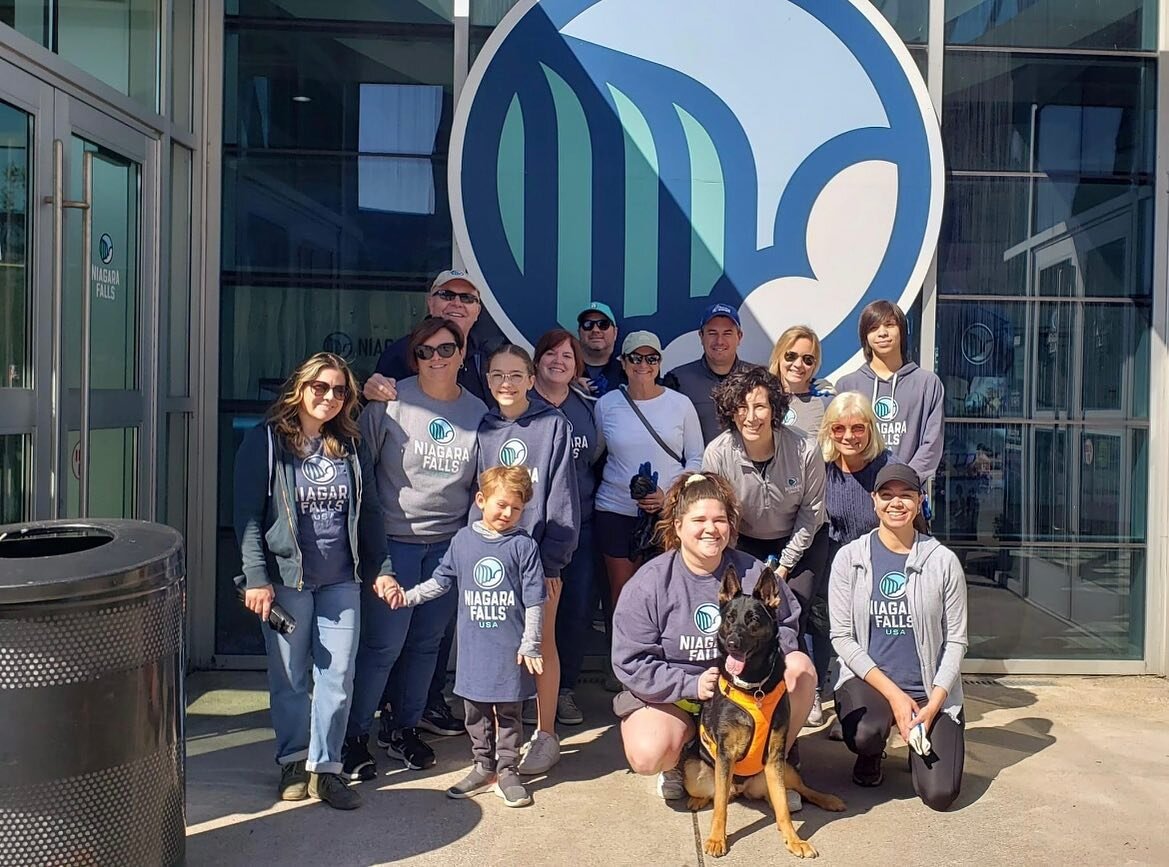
71,558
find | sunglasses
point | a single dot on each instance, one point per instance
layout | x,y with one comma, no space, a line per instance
321,389
809,360
468,298
497,378
444,350
857,430
637,359
590,324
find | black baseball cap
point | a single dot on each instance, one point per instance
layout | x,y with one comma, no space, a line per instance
897,473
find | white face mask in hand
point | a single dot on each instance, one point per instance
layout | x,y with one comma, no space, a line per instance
919,741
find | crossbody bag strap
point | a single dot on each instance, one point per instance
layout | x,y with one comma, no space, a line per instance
649,427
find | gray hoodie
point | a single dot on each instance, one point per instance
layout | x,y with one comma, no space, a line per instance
937,604
910,412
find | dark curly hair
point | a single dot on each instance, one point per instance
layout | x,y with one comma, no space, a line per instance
732,393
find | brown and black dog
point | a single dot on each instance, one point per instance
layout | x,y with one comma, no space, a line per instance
743,728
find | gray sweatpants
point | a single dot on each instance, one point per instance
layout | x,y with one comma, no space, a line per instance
496,731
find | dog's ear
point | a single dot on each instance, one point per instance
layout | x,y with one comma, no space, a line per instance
731,586
767,588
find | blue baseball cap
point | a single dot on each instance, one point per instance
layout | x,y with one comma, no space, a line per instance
597,307
720,310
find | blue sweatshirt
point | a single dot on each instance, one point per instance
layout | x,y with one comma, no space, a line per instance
541,440
586,445
910,412
665,626
848,499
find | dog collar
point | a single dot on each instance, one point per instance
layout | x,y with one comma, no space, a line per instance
744,685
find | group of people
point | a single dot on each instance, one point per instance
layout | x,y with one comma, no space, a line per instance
505,497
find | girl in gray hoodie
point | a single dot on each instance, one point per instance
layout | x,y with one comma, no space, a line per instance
897,602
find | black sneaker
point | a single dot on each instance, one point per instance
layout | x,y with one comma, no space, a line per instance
356,762
438,720
385,727
293,781
867,771
334,791
411,749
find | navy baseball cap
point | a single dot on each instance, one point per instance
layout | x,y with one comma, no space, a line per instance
720,310
897,473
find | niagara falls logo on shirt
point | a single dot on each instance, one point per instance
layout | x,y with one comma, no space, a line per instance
891,613
789,417
488,573
441,431
641,153
886,408
513,453
893,585
707,618
318,469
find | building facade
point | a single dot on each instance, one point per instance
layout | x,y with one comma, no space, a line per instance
267,178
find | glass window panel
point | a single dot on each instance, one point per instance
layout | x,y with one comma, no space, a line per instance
1002,235
374,11
910,18
1054,359
116,42
1053,23
31,18
182,62
979,486
1109,486
983,361
1055,603
1116,360
172,500
1014,112
15,230
15,474
179,288
113,473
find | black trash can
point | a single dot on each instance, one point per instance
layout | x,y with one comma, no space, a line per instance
91,693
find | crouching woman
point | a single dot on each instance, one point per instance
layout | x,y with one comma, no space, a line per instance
897,602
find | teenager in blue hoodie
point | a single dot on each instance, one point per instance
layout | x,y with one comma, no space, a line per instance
906,399
525,432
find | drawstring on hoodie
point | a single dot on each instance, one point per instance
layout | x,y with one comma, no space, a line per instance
877,384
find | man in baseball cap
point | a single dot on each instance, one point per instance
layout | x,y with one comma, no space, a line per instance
597,330
720,333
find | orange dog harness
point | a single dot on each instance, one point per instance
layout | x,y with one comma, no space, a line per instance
761,708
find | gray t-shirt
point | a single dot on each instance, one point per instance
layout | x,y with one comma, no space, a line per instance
425,453
323,492
892,644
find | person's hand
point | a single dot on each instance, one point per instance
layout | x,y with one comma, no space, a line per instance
259,601
389,591
782,572
926,715
653,503
587,384
552,588
904,711
707,683
534,664
379,387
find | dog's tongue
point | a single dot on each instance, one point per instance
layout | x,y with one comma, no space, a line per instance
735,663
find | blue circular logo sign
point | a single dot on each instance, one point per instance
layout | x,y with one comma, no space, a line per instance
596,155
105,249
318,469
885,408
339,343
707,618
488,573
441,431
893,585
513,452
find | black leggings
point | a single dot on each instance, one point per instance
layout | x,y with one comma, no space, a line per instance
867,718
806,577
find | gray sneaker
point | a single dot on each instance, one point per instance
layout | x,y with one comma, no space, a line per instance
479,779
543,751
512,790
293,781
567,711
334,791
794,802
671,786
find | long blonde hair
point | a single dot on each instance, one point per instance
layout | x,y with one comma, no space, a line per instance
284,414
687,490
786,341
849,404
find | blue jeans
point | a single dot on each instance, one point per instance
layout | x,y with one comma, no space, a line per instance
309,715
578,599
389,637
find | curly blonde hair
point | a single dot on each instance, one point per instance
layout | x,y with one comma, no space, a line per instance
846,405
687,490
284,414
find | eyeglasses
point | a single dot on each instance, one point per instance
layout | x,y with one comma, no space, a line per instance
637,359
468,298
590,324
809,360
857,430
444,350
889,496
321,389
497,378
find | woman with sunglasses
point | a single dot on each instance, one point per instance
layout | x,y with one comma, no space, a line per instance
897,600
640,423
794,361
310,532
425,449
534,434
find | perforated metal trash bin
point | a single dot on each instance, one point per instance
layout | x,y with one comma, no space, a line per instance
91,694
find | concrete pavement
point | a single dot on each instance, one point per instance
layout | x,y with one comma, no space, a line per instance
1058,770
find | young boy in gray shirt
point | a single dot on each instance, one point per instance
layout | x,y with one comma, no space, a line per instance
501,606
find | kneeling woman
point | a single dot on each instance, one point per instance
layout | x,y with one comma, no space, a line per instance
897,600
665,627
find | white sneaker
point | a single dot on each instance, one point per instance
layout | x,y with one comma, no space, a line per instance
671,786
794,802
543,751
816,714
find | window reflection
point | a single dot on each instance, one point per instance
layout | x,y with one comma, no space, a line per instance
1053,23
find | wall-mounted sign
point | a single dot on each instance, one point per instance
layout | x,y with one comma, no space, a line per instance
105,280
